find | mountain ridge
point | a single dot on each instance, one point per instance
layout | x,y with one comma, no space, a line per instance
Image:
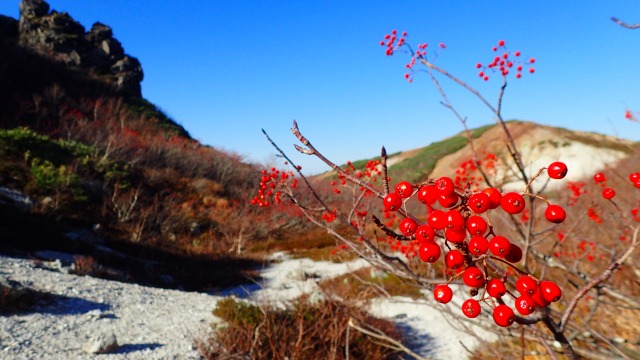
444,157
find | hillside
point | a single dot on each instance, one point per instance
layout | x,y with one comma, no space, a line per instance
585,153
90,167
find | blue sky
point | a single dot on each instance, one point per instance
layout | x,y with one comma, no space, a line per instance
227,69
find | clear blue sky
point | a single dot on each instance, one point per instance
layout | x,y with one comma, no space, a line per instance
226,69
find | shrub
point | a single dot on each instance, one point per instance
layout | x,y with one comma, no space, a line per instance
304,330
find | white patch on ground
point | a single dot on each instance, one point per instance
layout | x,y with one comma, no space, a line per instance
288,278
432,331
582,162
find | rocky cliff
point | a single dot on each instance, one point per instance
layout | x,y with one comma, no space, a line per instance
58,36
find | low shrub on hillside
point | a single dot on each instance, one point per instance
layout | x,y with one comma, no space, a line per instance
305,330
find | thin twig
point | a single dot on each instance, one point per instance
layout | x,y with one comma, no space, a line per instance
624,24
605,275
391,342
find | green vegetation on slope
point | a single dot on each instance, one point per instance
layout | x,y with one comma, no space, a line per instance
418,167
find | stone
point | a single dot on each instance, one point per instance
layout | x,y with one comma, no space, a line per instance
101,344
33,8
98,33
128,74
112,48
58,36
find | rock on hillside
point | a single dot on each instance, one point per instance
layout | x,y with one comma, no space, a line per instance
59,36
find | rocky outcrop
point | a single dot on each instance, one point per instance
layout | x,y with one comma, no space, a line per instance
59,36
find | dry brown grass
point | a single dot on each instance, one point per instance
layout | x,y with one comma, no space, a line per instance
305,330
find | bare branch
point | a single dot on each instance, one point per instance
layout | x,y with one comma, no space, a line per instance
312,151
382,336
604,276
624,24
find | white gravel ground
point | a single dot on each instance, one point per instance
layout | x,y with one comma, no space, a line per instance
154,323
148,323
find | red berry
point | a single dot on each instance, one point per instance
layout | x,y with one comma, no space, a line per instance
479,203
471,308
429,251
532,70
454,219
550,291
437,219
634,177
473,277
496,288
517,53
512,202
455,235
494,197
442,293
501,43
444,185
408,226
449,200
532,60
555,214
392,202
499,245
608,193
425,233
454,259
404,189
539,299
427,194
526,285
478,245
557,170
599,177
514,255
503,315
476,225
525,305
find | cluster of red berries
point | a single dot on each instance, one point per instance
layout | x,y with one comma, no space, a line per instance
504,63
392,42
457,215
630,116
608,193
467,173
577,189
269,186
593,215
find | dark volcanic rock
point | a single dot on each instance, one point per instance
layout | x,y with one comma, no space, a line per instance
59,36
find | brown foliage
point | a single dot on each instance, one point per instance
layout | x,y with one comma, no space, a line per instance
305,330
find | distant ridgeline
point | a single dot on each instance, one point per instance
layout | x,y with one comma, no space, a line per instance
58,36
